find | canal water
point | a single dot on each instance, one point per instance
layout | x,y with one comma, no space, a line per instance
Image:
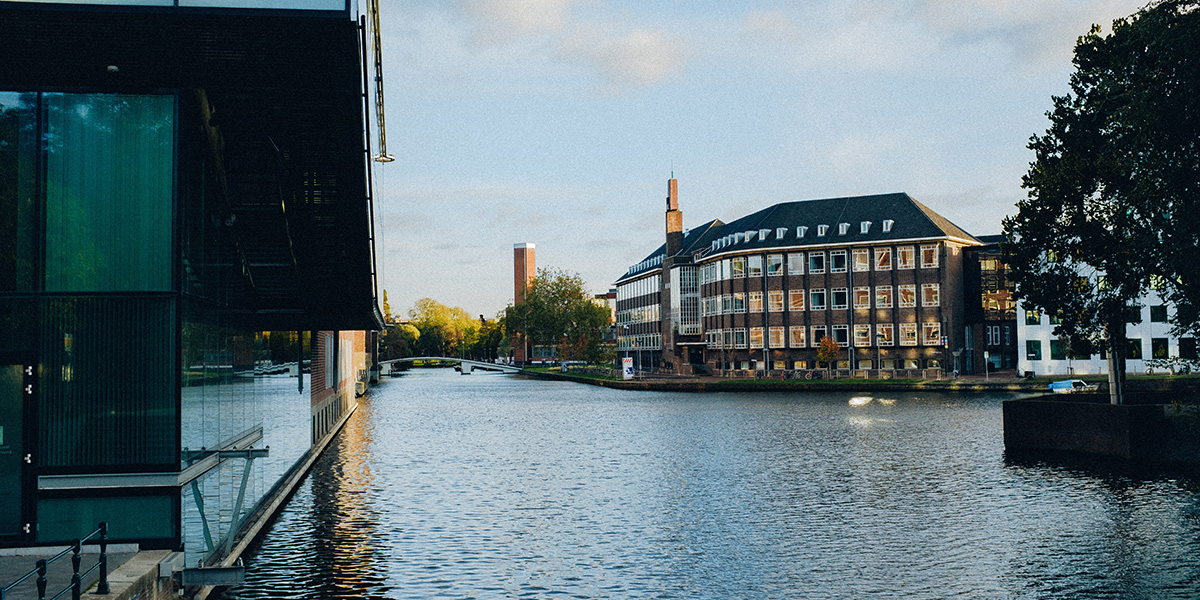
491,486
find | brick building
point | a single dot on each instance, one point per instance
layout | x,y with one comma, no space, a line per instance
882,275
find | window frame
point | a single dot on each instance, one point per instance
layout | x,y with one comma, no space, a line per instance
792,295
927,251
834,255
812,296
891,296
911,289
883,259
901,263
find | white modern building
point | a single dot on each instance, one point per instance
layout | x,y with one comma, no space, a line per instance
1043,353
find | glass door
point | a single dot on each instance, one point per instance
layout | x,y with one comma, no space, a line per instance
12,394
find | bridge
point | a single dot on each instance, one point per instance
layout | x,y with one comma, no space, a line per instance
465,362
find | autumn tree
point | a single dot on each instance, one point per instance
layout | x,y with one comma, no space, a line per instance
1113,205
828,351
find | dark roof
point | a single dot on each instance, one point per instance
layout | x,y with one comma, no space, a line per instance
910,220
285,90
693,240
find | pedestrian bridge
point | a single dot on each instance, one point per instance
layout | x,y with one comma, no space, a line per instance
466,363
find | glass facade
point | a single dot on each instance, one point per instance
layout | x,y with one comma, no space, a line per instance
138,365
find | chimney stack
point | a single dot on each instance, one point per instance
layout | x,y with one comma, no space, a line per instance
674,219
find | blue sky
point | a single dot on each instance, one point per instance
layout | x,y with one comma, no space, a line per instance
558,122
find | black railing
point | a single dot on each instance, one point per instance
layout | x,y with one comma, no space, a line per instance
76,551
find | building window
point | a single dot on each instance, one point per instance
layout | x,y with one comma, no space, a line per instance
776,337
1033,349
796,300
908,296
775,301
837,261
739,266
818,332
780,232
839,299
816,299
1058,350
931,334
1134,350
907,257
1159,348
739,337
1187,348
739,302
756,337
754,266
862,260
841,335
774,264
883,296
110,173
864,227
822,230
801,230
884,334
930,294
1158,314
796,263
862,297
816,263
929,256
843,228
883,259
908,334
763,233
862,336
993,335
1033,317
796,337
887,225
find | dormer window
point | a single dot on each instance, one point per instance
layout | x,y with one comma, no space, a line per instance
780,232
801,230
763,233
750,236
737,238
865,227
887,225
822,230
843,228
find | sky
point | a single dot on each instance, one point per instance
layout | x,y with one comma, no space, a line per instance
559,122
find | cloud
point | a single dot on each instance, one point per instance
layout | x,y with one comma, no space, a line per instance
924,34
500,21
638,57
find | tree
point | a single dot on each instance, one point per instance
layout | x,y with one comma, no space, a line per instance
558,310
1113,199
444,331
828,351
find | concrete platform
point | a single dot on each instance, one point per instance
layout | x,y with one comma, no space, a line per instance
16,562
1147,436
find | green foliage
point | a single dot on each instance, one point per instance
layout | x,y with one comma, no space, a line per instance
828,351
558,310
1114,192
444,331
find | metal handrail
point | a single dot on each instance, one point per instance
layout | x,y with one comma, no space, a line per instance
76,586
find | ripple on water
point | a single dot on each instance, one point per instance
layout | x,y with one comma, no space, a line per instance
492,487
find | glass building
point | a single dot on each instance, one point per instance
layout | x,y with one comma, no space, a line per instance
183,200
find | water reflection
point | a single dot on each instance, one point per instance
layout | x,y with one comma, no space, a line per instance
491,486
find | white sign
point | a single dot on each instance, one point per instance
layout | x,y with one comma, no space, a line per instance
627,368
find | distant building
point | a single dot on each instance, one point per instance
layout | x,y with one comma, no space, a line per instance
1043,353
882,275
991,310
524,271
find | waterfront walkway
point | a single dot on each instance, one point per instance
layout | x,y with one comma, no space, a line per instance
16,562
